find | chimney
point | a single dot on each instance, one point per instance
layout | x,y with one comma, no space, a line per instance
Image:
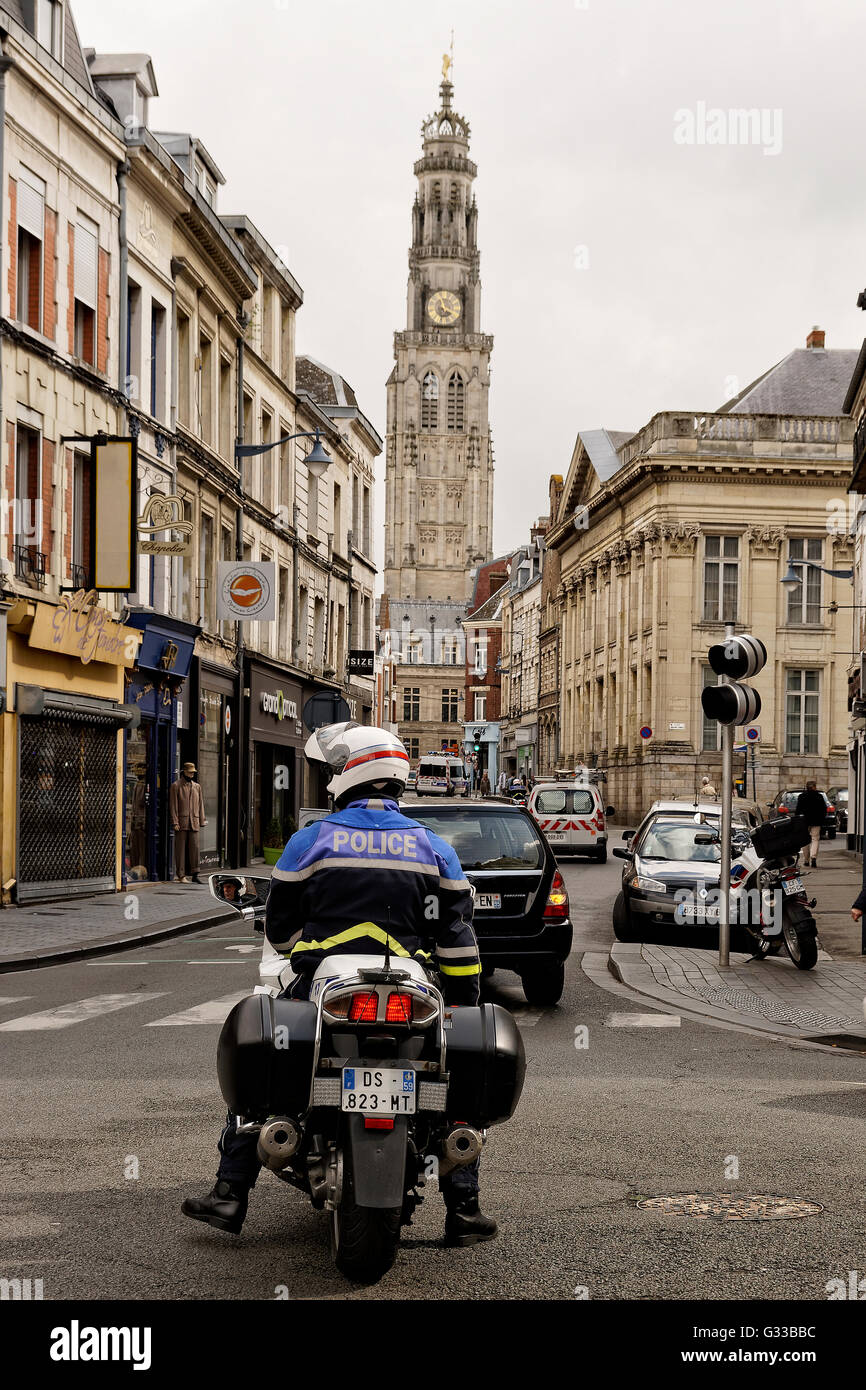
816,338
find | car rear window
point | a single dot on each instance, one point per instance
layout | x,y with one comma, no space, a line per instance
557,799
488,840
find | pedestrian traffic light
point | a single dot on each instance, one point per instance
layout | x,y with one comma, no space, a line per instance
477,747
735,657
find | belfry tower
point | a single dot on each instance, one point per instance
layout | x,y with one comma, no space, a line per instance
439,455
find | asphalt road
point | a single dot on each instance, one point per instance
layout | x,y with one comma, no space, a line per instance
108,1122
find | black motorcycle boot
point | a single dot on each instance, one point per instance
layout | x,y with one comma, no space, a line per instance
466,1224
224,1207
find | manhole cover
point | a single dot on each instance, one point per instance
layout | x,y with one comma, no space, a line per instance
710,1206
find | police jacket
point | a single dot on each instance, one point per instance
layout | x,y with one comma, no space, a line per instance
366,875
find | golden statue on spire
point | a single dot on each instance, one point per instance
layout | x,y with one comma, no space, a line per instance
446,64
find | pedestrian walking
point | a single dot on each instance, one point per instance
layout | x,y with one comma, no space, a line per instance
813,808
485,784
502,782
859,905
707,789
186,808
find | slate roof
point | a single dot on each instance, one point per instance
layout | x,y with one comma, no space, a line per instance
325,386
809,381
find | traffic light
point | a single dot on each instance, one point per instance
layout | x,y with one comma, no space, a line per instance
477,747
734,703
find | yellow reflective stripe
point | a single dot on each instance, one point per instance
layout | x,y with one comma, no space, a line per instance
460,969
354,934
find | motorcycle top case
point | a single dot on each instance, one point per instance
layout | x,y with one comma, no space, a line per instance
486,1063
777,838
265,1056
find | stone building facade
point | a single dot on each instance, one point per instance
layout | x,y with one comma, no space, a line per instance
664,536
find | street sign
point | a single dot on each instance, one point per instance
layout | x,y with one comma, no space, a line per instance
325,707
646,731
676,726
753,734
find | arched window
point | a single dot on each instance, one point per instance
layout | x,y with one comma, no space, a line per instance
430,402
455,402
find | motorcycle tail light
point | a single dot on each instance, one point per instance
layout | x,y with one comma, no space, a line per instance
378,1121
556,908
423,1009
364,1008
398,1008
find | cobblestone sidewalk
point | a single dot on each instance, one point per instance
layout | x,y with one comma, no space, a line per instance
769,995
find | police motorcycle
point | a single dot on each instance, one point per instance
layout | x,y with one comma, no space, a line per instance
767,897
365,1091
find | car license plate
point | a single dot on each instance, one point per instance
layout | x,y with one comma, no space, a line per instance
792,886
491,901
556,834
686,910
378,1090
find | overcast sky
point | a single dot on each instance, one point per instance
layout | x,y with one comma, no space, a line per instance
625,271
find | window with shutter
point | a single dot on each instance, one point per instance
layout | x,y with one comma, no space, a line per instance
31,226
86,249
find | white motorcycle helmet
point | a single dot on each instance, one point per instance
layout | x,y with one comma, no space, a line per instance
358,755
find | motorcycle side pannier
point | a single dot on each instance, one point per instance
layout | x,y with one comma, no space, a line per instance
265,1056
777,838
486,1064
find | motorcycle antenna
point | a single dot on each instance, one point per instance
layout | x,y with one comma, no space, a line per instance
388,940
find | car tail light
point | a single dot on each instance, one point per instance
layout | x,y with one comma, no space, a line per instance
364,1008
399,1008
378,1121
783,810
831,808
556,907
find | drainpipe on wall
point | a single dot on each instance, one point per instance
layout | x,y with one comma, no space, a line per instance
296,589
243,320
5,64
349,609
175,268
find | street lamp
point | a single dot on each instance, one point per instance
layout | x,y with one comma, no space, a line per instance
792,578
318,460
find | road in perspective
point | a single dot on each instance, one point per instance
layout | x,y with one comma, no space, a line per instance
622,1102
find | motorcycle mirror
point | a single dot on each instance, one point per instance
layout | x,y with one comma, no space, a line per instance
240,891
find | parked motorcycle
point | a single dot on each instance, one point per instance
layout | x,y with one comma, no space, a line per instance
363,1092
767,897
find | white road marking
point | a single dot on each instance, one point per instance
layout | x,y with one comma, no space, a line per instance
14,998
526,1018
246,949
212,1011
642,1021
64,1015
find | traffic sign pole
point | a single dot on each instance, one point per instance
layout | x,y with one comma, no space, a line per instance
725,865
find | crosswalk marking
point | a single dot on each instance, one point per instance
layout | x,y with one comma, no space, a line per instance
643,1021
526,1018
13,998
64,1015
212,1011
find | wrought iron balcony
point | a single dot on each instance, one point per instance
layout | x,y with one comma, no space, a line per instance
30,565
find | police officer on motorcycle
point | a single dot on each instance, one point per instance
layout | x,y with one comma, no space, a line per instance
352,883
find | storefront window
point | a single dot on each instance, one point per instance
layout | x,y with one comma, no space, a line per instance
211,722
137,799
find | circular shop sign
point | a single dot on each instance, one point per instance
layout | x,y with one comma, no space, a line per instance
246,592
646,731
228,719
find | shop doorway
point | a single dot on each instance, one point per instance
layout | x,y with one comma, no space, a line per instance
148,776
274,788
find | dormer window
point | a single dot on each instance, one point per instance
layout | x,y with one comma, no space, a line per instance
49,26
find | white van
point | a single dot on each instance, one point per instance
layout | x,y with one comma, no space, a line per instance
572,817
458,775
434,775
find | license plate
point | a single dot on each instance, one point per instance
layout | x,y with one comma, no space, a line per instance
556,835
792,885
491,901
686,910
378,1091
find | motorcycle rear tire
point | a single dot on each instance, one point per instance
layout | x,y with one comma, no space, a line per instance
364,1240
802,948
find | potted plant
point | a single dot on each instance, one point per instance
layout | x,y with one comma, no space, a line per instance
274,840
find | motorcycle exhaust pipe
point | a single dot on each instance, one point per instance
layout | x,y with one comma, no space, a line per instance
461,1145
278,1141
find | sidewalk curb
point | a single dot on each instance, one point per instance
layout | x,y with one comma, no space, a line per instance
83,949
669,1000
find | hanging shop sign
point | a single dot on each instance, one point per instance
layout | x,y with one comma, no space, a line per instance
77,627
163,516
113,531
360,662
247,591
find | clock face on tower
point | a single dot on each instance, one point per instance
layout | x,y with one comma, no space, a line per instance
443,308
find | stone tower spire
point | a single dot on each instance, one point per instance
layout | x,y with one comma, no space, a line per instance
439,470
